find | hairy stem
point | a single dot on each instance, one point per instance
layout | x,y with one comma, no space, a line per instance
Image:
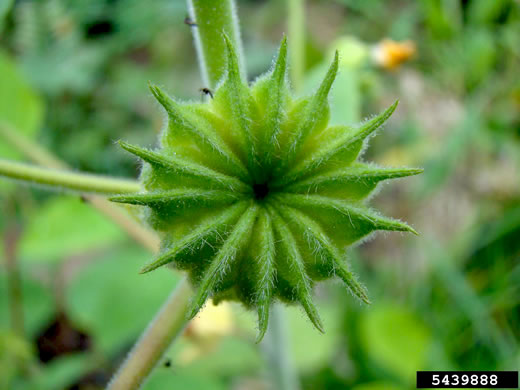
212,19
41,156
67,180
165,327
120,217
296,30
277,351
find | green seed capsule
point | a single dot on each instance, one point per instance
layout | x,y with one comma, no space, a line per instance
255,196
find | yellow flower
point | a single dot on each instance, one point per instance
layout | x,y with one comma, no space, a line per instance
390,54
206,330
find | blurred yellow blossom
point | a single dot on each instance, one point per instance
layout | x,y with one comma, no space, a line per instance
389,54
205,331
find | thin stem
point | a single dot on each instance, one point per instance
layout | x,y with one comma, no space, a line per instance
30,149
277,351
212,19
67,180
14,282
297,42
120,217
165,327
41,156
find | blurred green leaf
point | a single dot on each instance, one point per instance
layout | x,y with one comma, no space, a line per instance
443,17
395,338
20,106
137,21
164,378
66,226
480,51
64,67
311,349
113,302
62,372
53,52
231,358
485,11
507,224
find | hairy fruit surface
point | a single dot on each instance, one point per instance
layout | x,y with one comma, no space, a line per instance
255,196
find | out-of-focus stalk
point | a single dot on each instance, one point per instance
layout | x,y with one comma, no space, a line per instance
162,331
277,351
42,157
296,30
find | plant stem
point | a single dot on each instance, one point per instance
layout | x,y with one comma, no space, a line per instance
67,180
165,327
277,350
297,42
120,217
31,150
14,282
213,18
41,156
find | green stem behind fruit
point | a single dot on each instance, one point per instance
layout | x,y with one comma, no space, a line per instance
210,20
58,179
165,327
120,217
277,351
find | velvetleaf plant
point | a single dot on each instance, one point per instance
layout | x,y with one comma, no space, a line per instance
255,195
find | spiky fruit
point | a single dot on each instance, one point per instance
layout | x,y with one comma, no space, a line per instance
255,196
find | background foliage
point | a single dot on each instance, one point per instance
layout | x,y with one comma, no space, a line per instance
73,76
